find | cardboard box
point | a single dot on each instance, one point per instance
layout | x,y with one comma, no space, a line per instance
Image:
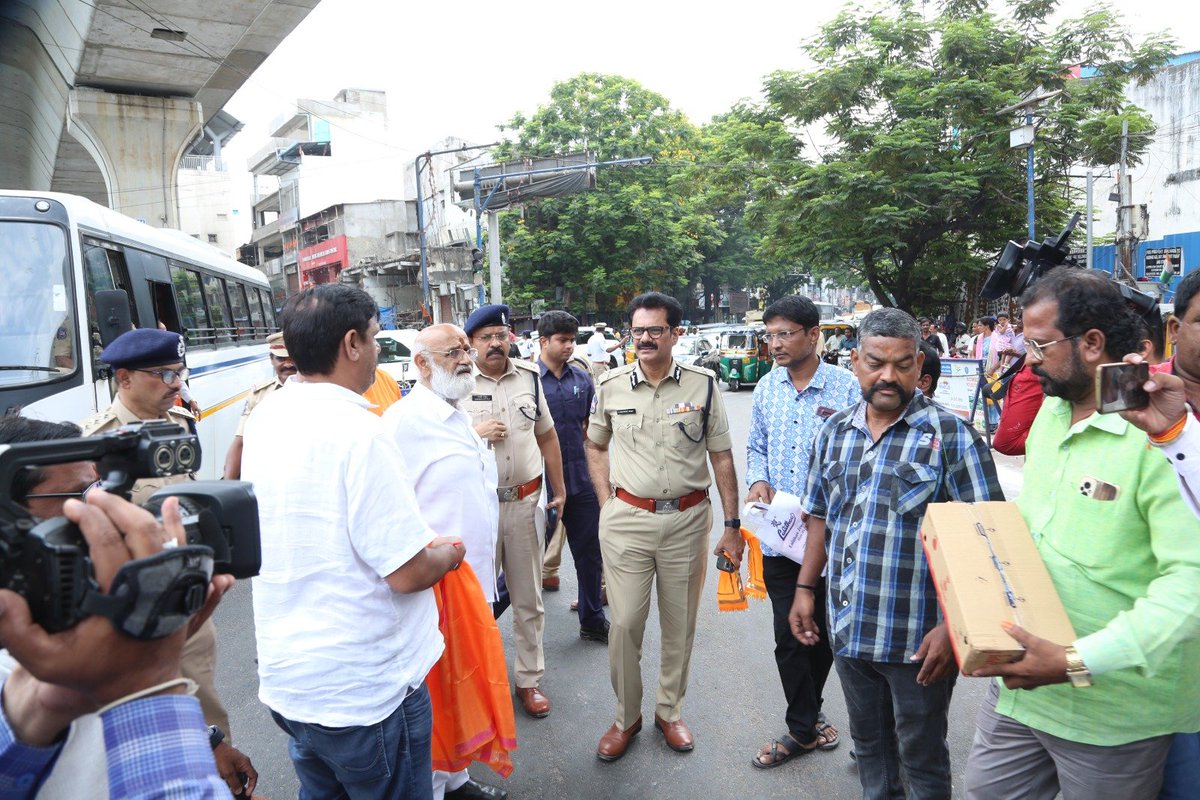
987,569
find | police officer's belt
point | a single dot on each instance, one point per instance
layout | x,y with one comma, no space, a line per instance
664,506
510,494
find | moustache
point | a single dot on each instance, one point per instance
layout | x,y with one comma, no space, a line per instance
647,346
492,351
895,387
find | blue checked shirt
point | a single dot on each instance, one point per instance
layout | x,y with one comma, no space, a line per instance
157,748
872,496
784,423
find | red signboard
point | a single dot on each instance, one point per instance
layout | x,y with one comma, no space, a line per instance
323,254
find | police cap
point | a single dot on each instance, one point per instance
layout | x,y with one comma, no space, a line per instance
144,347
276,347
484,316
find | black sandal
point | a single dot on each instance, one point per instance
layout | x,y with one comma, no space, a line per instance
829,735
779,753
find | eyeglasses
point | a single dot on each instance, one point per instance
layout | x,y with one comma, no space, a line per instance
782,336
80,495
168,376
455,353
1038,349
655,331
499,336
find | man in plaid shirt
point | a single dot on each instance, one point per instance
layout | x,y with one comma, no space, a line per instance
875,467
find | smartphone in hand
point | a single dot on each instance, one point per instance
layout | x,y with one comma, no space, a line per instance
1119,387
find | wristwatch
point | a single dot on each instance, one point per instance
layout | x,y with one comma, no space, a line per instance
1077,672
215,736
733,523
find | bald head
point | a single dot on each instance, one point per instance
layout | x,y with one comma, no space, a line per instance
440,353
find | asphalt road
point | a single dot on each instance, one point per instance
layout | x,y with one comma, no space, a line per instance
734,704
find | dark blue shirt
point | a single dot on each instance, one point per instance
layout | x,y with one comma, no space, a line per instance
570,401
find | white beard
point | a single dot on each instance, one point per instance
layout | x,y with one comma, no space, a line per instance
449,386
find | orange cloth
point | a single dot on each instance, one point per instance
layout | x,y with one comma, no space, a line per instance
731,595
383,392
468,686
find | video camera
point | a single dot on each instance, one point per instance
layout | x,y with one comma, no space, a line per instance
47,561
1019,265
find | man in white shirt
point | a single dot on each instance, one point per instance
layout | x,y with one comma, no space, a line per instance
454,476
346,625
598,348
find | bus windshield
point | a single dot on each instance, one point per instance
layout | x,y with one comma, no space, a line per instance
37,326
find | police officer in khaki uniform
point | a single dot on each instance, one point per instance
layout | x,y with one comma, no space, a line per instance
284,368
149,366
509,411
650,427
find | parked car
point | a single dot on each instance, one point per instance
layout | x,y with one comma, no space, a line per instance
395,356
692,349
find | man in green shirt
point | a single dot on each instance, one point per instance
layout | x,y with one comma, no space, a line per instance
1124,554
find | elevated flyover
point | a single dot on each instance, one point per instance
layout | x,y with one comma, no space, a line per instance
102,97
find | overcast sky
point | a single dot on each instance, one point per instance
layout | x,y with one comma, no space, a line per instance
462,67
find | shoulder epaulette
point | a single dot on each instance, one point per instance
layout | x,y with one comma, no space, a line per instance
97,421
708,373
612,373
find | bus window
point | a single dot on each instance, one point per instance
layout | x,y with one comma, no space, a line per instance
218,308
104,268
192,314
164,306
256,313
268,309
37,321
237,302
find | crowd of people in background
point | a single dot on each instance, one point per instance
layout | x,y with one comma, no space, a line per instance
377,606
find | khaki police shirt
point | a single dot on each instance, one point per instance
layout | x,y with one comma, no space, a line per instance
655,438
257,394
117,415
511,401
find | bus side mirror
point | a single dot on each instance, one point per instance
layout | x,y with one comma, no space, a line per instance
112,314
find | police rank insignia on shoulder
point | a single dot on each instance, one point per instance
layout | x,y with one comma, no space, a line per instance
683,408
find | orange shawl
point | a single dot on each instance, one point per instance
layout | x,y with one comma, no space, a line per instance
468,686
731,596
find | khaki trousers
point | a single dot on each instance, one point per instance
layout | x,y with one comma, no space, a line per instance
199,662
519,553
640,548
553,558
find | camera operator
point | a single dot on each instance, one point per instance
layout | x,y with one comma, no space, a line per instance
43,491
150,369
122,694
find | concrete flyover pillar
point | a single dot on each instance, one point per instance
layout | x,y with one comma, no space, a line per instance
137,142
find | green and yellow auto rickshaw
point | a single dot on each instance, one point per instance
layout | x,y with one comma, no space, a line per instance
744,357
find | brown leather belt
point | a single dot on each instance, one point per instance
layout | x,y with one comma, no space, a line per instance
512,494
664,506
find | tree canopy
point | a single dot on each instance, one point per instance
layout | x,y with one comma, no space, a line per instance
918,188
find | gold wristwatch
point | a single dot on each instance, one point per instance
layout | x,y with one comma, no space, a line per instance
1077,672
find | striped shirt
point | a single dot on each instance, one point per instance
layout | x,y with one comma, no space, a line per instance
873,495
784,423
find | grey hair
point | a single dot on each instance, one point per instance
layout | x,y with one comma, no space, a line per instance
891,323
418,348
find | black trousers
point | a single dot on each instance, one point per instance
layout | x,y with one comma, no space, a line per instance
803,669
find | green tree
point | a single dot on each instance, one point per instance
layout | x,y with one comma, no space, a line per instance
919,188
639,229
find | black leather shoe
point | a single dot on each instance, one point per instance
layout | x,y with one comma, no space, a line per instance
594,634
473,790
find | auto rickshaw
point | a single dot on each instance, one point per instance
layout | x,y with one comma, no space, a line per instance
744,357
833,334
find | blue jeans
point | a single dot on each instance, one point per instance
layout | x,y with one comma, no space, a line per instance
390,760
1182,774
895,724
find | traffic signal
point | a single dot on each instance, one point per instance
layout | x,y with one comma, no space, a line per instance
476,259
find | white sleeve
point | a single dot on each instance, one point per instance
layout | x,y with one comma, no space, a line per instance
1184,455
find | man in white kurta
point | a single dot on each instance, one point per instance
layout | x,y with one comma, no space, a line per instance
454,476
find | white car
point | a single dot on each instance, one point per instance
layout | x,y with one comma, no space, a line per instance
395,356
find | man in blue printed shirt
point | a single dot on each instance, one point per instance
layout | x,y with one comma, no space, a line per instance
875,467
790,405
569,395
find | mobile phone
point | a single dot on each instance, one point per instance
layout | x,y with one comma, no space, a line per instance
725,563
1119,387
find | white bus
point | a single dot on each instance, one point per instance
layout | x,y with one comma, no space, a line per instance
74,275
